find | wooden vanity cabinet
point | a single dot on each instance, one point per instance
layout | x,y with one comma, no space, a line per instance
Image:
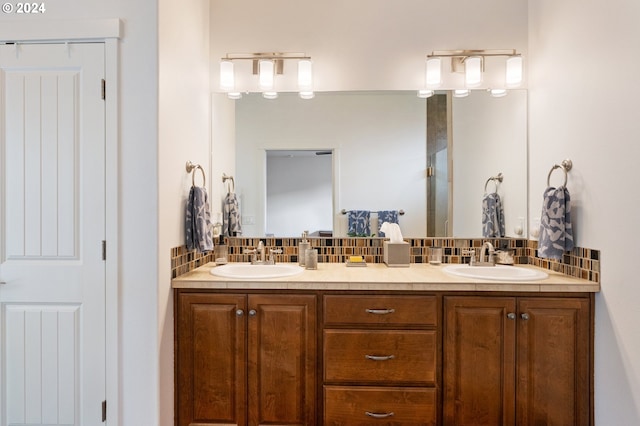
522,361
245,359
380,360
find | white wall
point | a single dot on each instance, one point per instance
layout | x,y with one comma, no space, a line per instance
184,135
584,92
364,44
489,137
379,141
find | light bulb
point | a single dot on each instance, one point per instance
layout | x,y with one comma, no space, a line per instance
513,76
227,79
305,74
266,74
433,74
473,71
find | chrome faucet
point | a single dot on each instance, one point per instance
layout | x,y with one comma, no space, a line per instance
483,260
259,254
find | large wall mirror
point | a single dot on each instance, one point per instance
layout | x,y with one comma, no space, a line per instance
385,150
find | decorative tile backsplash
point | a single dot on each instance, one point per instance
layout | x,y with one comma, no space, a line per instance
579,262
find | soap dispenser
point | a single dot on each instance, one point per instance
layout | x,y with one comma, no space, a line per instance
303,246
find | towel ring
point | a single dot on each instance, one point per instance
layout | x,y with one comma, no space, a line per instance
230,188
566,165
495,179
191,167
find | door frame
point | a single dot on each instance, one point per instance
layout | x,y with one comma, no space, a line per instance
108,32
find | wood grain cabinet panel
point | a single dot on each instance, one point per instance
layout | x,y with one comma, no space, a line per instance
370,406
517,361
246,359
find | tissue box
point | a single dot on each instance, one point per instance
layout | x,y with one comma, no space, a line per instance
396,254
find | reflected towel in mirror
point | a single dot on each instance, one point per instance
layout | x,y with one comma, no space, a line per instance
492,216
358,221
231,225
389,216
556,231
198,221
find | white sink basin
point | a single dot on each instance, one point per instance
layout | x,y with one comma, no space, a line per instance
247,271
496,273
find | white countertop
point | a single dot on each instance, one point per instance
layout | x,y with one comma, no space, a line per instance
380,277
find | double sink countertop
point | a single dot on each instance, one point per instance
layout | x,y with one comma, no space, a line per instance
380,277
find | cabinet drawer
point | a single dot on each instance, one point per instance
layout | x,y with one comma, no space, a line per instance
367,406
380,356
380,310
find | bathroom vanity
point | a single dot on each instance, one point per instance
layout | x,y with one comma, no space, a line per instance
379,345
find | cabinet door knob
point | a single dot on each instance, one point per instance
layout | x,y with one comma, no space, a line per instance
252,313
524,316
239,312
379,415
511,315
380,311
379,357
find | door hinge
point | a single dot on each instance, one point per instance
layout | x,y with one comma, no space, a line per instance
103,89
430,171
104,250
104,411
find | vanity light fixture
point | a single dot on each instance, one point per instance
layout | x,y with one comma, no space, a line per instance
267,66
498,93
460,93
472,64
425,93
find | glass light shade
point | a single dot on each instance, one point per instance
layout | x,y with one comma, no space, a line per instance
425,93
460,93
513,76
498,93
307,95
433,74
234,95
305,74
473,71
270,95
227,79
266,68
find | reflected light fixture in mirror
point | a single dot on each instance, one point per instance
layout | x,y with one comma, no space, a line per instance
425,93
460,93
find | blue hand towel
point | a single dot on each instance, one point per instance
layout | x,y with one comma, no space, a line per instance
492,216
231,226
358,223
390,216
198,221
556,232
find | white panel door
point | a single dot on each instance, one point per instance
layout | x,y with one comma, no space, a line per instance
52,223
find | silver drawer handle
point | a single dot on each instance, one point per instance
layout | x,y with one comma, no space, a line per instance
379,358
380,311
379,415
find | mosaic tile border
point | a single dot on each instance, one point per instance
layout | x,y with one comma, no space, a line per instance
579,262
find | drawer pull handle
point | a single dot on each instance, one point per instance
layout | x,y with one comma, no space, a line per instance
379,415
379,358
380,311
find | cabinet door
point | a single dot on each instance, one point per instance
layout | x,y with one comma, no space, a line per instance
282,359
479,361
553,362
210,358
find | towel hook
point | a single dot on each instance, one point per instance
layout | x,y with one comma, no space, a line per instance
191,167
566,165
495,179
